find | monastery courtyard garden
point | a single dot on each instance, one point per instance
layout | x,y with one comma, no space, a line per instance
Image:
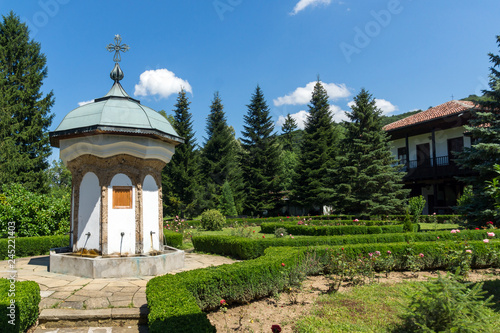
302,274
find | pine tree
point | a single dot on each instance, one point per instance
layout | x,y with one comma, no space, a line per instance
24,110
220,159
367,181
180,176
261,157
318,150
288,127
481,157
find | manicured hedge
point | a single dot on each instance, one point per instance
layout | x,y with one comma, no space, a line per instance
176,301
25,309
249,248
32,246
306,230
172,238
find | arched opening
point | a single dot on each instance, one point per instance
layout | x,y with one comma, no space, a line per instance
89,211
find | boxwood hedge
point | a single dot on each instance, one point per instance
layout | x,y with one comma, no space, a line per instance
24,310
250,248
172,238
307,230
33,246
176,302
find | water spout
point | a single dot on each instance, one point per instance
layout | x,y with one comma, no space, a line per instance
121,242
151,233
85,245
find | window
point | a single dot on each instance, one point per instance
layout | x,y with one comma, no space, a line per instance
402,155
122,197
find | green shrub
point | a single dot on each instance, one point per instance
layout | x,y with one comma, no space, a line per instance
212,220
172,238
280,232
246,248
269,228
176,301
25,309
447,305
416,206
34,214
33,246
407,226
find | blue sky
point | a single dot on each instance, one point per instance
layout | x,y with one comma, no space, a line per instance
410,54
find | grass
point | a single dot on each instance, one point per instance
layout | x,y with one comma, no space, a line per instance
372,308
438,226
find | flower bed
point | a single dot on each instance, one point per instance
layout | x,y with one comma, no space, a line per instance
177,302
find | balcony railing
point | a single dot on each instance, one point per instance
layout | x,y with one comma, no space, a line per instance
430,168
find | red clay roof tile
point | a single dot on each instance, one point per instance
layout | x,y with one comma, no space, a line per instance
442,110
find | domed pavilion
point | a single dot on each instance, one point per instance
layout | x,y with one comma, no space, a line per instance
115,148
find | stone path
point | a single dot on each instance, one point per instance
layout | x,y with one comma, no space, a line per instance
66,298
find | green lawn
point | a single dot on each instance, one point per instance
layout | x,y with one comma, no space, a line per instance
372,308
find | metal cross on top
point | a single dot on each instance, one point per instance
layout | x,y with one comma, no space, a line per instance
117,48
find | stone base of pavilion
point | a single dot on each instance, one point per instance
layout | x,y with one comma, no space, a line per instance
63,261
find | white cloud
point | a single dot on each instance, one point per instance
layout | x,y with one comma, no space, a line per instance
384,105
338,115
303,4
299,117
161,82
85,102
302,95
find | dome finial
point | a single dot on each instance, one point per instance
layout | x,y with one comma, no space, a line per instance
117,73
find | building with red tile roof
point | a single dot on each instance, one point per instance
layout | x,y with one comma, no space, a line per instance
426,144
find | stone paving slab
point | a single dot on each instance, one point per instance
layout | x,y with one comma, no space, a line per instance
73,298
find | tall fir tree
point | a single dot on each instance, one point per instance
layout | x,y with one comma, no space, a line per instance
261,157
180,177
318,150
24,110
367,181
484,126
220,161
288,127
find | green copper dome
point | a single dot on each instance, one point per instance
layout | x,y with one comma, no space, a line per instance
117,113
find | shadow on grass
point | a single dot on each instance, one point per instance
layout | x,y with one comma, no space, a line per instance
492,287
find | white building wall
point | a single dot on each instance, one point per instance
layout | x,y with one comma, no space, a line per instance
150,215
121,220
441,139
89,211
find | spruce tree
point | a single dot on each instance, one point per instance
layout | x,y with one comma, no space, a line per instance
367,181
226,201
220,159
484,126
288,127
24,110
261,157
180,176
318,149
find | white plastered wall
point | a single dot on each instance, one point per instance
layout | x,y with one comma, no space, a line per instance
89,211
121,220
441,139
150,215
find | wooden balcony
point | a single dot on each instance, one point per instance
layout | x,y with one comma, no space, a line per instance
427,168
